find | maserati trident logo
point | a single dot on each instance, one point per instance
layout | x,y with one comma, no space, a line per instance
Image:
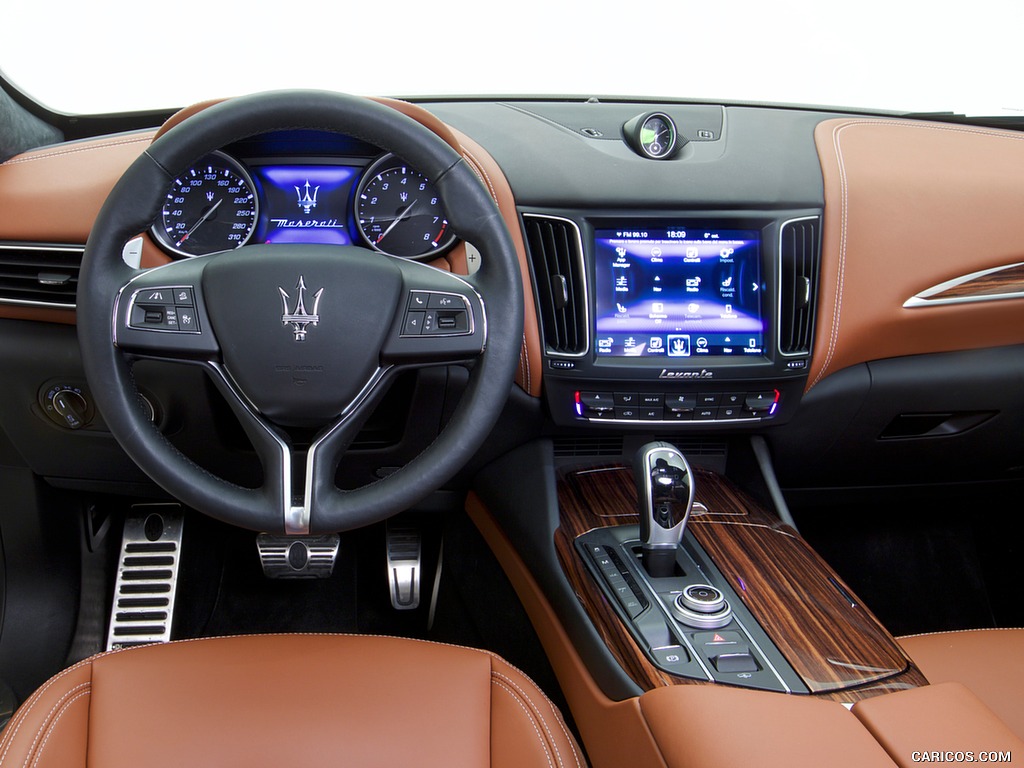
299,319
307,202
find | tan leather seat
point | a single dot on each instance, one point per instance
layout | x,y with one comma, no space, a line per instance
990,662
290,700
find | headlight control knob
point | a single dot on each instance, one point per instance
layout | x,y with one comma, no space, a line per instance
66,405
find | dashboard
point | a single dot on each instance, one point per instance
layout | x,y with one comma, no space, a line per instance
799,333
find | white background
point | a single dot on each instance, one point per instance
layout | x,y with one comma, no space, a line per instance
920,56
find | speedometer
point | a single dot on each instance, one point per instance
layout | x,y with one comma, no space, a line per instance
211,207
399,211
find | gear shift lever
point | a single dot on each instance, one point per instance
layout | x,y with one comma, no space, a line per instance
664,484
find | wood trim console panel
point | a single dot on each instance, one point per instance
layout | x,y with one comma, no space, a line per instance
831,640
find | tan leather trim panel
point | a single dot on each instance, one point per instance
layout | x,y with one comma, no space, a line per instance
528,377
712,726
53,194
945,718
910,205
987,661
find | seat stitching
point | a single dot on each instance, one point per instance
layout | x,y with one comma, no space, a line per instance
533,722
53,727
45,722
77,150
25,709
540,715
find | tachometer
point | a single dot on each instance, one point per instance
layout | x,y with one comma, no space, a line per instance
399,211
211,207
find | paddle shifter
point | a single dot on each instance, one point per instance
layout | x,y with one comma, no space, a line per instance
664,484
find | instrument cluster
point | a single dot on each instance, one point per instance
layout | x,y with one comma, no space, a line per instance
221,203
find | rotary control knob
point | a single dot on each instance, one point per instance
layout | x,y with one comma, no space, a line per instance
66,405
702,606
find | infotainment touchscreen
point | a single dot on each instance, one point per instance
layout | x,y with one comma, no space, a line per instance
686,292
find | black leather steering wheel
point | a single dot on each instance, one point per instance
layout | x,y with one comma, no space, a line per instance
299,335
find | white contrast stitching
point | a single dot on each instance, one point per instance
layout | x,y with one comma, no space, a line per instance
962,631
53,727
542,718
481,170
44,726
544,745
145,139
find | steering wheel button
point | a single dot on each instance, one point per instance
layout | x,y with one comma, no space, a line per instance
187,320
444,301
419,300
413,324
183,297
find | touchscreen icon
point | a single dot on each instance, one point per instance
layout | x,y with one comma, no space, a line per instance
693,308
702,343
692,252
679,346
725,253
657,307
693,282
622,309
727,283
656,344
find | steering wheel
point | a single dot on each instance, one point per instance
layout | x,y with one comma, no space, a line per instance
303,336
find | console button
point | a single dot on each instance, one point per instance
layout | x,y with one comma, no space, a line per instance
715,638
708,398
597,401
730,412
680,403
187,320
672,656
678,415
626,398
732,399
759,402
652,401
630,414
651,414
740,660
705,414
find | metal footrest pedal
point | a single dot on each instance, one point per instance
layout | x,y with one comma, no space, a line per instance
405,564
147,577
298,557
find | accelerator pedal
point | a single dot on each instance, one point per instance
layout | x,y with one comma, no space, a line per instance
147,577
405,569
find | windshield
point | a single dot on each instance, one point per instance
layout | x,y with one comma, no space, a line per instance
78,57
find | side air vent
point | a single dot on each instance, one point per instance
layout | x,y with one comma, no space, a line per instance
556,252
39,275
798,284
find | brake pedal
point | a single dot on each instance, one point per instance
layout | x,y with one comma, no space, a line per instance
147,577
298,557
405,570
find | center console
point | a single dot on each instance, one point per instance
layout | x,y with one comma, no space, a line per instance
698,321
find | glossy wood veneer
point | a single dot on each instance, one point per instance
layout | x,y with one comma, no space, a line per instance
830,639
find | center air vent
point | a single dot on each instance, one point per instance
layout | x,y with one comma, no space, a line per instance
556,252
39,275
798,285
